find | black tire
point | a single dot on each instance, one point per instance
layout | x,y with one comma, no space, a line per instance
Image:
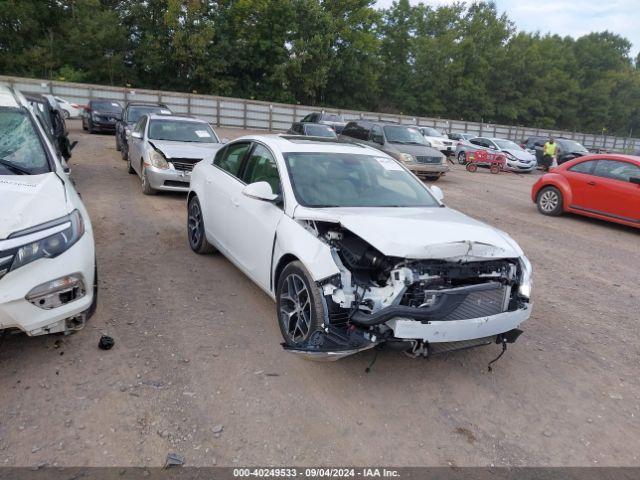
462,158
90,127
118,147
124,152
147,189
432,178
299,305
195,228
129,166
66,115
550,201
84,126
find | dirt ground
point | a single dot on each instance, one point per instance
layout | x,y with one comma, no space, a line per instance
197,368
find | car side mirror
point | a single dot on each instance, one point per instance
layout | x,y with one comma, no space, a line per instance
136,135
260,191
635,180
437,192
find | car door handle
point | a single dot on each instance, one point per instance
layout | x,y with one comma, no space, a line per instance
592,183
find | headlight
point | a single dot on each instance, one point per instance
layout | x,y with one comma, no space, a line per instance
158,160
526,282
406,157
94,116
53,245
510,156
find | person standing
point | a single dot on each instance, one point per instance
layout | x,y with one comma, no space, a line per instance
549,152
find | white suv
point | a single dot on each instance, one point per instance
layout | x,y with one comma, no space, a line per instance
48,280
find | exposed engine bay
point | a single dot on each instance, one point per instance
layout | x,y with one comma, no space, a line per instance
397,301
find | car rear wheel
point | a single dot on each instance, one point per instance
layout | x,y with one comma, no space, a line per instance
118,148
299,305
129,166
462,158
195,228
550,201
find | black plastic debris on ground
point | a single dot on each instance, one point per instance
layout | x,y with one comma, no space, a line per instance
173,460
106,342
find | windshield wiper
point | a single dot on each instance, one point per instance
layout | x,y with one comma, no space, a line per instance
15,168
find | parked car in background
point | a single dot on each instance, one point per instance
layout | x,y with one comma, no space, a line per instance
461,137
48,279
71,110
101,116
163,149
517,158
355,251
600,186
437,140
567,149
52,121
312,130
333,120
130,116
404,143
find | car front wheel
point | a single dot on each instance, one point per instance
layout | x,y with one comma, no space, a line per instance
147,189
462,158
550,201
299,305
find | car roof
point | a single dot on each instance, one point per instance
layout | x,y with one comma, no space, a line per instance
146,104
301,143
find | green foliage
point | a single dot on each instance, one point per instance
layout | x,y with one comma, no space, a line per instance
463,60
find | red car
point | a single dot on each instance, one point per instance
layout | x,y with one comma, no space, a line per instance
600,186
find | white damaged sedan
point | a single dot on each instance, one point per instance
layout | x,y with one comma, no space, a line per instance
355,250
47,258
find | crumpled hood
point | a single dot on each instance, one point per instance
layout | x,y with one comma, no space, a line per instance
205,151
420,233
521,154
29,200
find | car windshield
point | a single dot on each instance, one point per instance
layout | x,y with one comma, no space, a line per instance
330,179
182,131
21,151
402,134
432,132
571,146
507,145
317,130
106,106
134,112
332,117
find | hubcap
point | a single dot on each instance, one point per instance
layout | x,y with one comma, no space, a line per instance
549,201
194,223
461,158
143,178
295,308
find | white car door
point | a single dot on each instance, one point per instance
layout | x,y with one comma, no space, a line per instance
222,186
255,221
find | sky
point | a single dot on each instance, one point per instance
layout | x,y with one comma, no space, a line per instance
567,17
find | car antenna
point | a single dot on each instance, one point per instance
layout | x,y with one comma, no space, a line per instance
504,349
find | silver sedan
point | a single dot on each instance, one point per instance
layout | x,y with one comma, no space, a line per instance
164,149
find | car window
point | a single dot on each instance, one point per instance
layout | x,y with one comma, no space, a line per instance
477,141
306,119
376,133
140,125
583,167
616,170
319,130
21,151
181,131
230,159
328,179
261,167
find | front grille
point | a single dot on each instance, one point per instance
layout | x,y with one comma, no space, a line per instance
475,305
426,159
445,347
184,164
175,183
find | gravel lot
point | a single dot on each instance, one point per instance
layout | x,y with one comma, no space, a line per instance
197,368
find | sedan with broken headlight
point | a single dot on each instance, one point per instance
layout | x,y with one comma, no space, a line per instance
355,250
163,149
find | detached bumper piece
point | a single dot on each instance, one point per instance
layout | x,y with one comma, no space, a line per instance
333,344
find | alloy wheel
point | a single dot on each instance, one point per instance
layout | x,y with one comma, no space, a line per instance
549,201
194,224
295,308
